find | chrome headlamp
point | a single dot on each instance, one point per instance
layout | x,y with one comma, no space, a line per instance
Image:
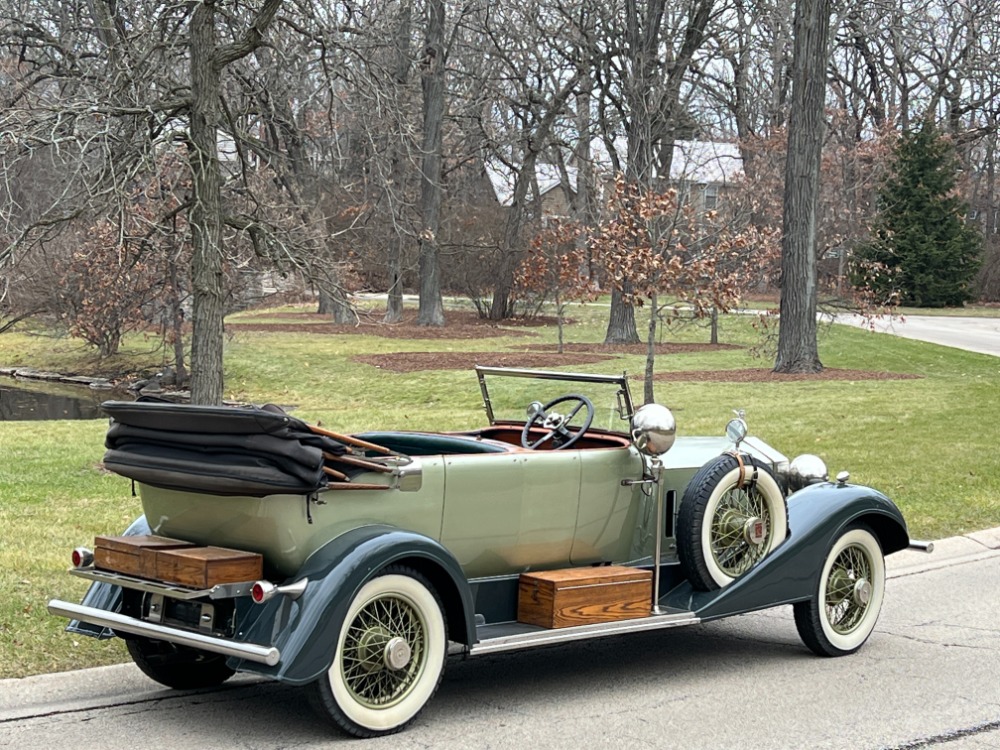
805,470
653,429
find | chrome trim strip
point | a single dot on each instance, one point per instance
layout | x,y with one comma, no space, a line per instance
544,637
268,655
220,591
578,377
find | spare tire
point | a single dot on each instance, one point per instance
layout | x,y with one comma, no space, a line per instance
731,516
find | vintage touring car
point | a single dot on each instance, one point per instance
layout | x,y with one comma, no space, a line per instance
355,564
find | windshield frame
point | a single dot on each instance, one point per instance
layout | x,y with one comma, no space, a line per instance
624,395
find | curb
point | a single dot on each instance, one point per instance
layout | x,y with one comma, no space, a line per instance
956,550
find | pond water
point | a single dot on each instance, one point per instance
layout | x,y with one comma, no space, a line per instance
22,400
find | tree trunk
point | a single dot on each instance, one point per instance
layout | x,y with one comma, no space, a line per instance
177,319
621,321
500,308
334,303
647,380
397,179
797,346
431,311
394,296
206,212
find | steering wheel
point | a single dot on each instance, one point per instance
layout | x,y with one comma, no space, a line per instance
557,424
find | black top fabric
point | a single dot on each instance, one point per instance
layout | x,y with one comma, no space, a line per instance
218,450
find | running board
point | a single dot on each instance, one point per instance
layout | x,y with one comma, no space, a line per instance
513,636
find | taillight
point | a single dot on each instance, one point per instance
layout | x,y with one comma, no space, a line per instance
82,557
261,591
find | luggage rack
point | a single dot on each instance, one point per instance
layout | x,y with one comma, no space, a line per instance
218,591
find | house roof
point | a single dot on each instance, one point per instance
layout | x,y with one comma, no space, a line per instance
700,162
547,175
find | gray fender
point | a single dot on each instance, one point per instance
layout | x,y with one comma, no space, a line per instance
105,596
817,515
305,630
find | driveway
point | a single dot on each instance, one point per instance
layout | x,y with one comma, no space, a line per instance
972,334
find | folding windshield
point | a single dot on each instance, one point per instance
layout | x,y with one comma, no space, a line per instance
507,393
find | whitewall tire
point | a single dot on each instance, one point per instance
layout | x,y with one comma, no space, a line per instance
730,518
841,615
389,658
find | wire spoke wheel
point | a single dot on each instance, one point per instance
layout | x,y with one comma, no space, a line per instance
731,516
848,589
383,624
389,656
736,542
841,615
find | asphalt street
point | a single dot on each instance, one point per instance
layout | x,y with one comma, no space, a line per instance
973,334
927,677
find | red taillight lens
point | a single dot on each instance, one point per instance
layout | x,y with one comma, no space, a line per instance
82,557
258,593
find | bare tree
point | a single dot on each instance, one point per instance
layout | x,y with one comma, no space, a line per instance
798,350
643,84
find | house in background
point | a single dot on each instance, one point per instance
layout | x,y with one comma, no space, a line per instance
554,189
702,171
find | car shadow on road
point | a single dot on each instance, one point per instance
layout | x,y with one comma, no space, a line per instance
489,693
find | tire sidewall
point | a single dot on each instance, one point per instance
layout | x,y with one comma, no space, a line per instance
769,490
380,720
848,642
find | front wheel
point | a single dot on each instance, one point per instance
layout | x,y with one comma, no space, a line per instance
178,667
731,516
389,656
838,619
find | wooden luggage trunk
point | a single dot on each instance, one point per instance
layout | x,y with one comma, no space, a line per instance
132,555
204,567
584,596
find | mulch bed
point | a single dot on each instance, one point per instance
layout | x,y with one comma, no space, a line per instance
767,376
464,324
414,361
461,324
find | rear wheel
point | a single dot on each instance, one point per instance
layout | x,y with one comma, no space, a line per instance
731,517
389,656
841,615
178,667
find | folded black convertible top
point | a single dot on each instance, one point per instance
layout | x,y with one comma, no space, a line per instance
218,450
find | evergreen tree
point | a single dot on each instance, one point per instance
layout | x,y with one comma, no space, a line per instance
921,248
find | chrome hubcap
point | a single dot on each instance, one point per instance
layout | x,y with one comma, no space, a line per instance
397,653
754,531
862,592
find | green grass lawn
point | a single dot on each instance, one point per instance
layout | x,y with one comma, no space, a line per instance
929,443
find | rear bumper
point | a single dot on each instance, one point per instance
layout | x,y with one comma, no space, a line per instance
268,655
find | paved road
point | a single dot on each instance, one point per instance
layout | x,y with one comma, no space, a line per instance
927,677
973,334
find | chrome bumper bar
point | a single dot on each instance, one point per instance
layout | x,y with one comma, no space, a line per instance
250,651
921,546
